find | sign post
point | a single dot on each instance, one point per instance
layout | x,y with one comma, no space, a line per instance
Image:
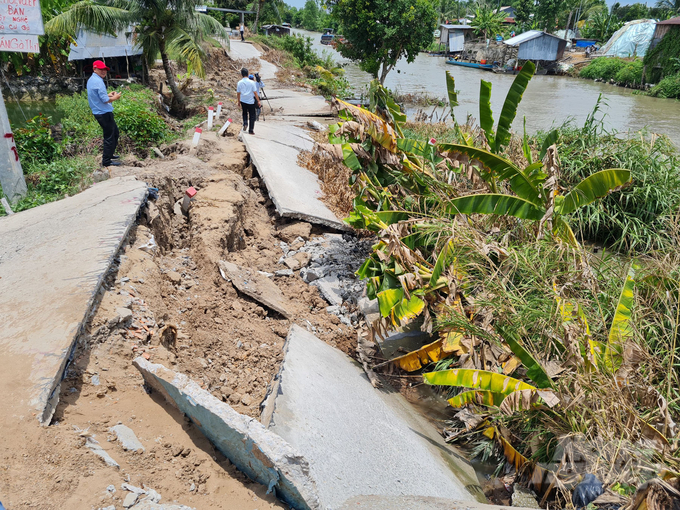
20,25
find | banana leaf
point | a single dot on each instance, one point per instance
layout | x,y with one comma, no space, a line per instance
492,203
512,100
379,130
476,379
593,187
442,260
478,397
621,329
351,160
551,139
523,400
499,168
525,144
535,371
417,147
453,95
388,299
485,113
415,360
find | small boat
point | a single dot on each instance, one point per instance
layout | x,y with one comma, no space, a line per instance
486,67
328,36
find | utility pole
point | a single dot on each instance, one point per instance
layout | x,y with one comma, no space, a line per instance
19,31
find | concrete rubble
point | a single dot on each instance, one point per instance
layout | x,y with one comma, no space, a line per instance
56,253
127,438
257,286
262,455
358,440
137,498
93,445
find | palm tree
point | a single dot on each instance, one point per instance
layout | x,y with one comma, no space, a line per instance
159,27
671,5
487,21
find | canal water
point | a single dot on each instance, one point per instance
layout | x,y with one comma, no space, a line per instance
548,101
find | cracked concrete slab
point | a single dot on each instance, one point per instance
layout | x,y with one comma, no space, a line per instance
359,441
295,191
259,453
53,259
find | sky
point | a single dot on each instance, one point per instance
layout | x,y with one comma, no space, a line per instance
296,3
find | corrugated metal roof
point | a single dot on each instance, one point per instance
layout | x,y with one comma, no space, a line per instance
91,45
527,36
457,27
672,21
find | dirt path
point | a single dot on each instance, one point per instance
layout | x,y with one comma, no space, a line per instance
171,304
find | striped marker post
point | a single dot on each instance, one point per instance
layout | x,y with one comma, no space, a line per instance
224,128
219,110
211,115
197,137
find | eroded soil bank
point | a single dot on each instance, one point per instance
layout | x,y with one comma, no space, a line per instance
165,299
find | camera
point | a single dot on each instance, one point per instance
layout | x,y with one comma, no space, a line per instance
257,77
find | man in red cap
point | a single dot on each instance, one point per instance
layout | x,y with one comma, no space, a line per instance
102,109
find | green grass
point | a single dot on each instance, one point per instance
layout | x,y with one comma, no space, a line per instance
668,87
622,71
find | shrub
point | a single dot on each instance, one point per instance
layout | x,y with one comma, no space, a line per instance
299,47
669,87
34,142
630,74
664,59
604,68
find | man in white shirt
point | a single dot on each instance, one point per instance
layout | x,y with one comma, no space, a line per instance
241,29
246,95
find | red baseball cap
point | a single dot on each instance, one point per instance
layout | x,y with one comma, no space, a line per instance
98,64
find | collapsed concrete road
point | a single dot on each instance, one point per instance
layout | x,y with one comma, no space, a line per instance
359,441
52,262
295,191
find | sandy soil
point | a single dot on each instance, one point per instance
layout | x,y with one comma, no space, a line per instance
172,305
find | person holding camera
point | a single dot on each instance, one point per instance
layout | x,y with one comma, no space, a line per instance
102,109
246,95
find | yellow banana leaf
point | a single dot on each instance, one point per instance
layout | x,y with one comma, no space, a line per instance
451,342
511,365
621,330
427,354
379,130
479,397
476,379
573,312
524,400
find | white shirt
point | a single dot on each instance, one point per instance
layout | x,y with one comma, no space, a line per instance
247,88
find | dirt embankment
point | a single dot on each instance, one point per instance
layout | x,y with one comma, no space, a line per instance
166,300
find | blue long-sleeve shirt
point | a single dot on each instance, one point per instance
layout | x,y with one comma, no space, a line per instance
97,95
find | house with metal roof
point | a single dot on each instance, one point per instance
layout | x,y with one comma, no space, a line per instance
538,45
278,30
119,52
453,37
663,28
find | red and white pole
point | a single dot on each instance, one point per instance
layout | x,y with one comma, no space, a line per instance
211,115
197,137
224,128
219,110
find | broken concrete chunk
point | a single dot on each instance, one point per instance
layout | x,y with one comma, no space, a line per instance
151,497
130,500
100,452
292,231
292,263
147,505
308,275
284,272
368,306
303,258
123,315
330,289
127,439
261,455
132,488
256,286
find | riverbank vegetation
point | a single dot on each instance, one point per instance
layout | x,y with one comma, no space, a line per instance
60,160
545,270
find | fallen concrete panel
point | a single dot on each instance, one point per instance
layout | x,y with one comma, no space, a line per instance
294,190
244,51
256,286
127,438
52,262
260,454
358,440
288,102
414,503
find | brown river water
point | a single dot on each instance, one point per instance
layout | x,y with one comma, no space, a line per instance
549,100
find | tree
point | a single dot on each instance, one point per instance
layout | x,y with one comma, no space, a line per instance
487,22
671,5
159,27
310,15
547,13
379,32
523,11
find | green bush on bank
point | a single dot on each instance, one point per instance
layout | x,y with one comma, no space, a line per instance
623,72
669,87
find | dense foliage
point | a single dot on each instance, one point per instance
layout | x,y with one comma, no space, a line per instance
669,87
621,71
380,32
664,59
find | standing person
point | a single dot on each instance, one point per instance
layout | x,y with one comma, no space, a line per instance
102,109
260,85
241,28
246,95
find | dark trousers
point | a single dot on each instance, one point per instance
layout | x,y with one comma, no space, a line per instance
110,136
249,114
242,36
